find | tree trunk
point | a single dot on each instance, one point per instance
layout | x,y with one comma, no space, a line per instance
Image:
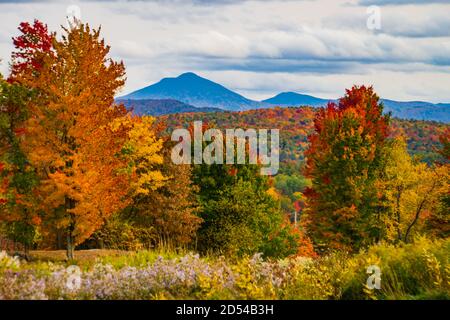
70,246
26,251
71,228
398,214
59,239
418,211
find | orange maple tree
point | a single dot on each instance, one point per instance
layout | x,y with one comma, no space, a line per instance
75,135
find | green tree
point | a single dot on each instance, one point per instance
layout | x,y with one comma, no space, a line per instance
289,187
239,215
18,212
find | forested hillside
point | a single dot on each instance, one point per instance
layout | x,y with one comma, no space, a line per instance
296,124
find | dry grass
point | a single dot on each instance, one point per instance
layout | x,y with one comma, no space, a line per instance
80,255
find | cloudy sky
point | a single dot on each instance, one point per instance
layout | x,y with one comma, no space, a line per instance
261,48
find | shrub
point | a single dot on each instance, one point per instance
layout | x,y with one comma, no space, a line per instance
122,235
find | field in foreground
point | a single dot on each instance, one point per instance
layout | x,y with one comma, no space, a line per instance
414,271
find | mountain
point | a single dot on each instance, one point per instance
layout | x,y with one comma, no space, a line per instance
160,107
418,110
296,99
194,90
415,110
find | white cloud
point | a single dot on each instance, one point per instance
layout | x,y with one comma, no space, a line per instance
262,47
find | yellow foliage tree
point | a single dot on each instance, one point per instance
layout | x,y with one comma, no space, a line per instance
144,151
411,192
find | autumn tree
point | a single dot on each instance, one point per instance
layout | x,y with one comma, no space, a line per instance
143,150
172,209
411,191
31,48
344,159
445,141
289,186
163,210
164,200
439,222
4,179
75,136
18,212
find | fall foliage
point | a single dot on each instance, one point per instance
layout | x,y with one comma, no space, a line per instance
17,177
143,150
445,140
79,170
172,209
411,192
95,202
31,48
71,137
344,157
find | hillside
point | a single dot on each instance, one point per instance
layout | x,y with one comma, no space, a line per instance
155,107
297,123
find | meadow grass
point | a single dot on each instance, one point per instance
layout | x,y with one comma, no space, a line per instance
419,270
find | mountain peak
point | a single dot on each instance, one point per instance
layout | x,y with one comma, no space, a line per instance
295,99
194,90
188,75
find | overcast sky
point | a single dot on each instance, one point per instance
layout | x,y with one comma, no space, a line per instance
261,48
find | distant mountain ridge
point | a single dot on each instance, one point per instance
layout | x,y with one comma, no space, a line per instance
296,99
158,107
197,92
418,110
